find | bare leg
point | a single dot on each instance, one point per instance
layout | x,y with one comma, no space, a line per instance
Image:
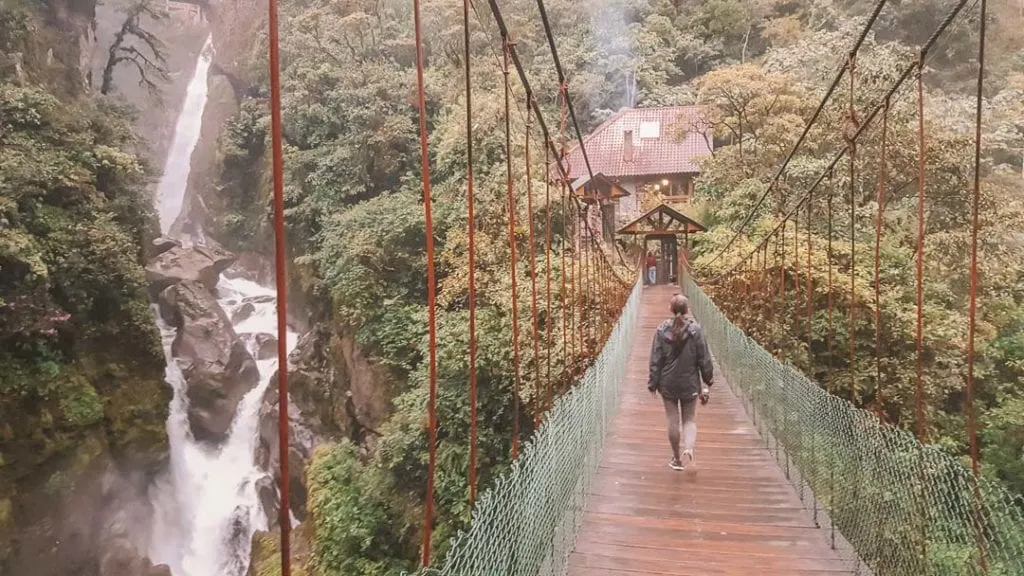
673,421
689,414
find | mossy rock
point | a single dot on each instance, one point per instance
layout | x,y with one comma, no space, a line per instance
6,527
135,405
266,553
80,405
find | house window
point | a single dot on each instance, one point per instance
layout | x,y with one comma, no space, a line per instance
650,130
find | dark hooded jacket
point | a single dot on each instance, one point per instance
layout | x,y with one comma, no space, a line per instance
678,374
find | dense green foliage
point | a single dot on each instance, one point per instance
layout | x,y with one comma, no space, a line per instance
354,206
355,210
761,107
78,348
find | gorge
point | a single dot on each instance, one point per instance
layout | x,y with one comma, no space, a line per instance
218,329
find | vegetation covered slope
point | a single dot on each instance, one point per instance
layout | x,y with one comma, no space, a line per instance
759,108
81,371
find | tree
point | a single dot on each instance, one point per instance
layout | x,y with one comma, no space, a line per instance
124,50
744,103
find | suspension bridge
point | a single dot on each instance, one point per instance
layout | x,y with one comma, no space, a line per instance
789,478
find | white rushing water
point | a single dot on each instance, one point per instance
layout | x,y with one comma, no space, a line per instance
171,191
206,507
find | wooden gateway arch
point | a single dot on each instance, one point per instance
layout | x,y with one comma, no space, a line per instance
664,225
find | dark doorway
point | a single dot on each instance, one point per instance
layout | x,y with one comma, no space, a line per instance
666,255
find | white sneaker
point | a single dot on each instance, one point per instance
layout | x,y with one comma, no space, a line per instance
687,461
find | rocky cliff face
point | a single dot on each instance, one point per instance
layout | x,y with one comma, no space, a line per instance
79,506
81,434
335,392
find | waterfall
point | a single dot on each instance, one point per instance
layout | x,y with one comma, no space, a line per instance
171,191
206,506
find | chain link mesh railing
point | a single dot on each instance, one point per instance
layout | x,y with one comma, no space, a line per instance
903,507
526,523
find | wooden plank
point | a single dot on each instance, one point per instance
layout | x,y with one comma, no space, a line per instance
734,513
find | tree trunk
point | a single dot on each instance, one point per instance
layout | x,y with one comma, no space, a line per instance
746,38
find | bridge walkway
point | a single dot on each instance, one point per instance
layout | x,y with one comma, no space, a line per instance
734,513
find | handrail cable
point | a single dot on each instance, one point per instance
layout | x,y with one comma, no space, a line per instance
549,142
564,83
888,97
807,128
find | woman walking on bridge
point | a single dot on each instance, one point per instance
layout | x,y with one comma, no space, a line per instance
680,364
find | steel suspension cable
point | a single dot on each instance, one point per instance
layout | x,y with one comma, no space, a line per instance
574,292
533,274
547,276
828,248
919,379
782,285
972,432
539,114
281,284
564,83
431,288
851,334
578,278
807,127
810,280
565,236
882,176
796,270
919,376
471,232
975,225
512,251
584,296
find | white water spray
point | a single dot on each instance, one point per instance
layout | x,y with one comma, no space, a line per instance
206,507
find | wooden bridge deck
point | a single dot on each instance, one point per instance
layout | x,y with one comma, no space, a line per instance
734,513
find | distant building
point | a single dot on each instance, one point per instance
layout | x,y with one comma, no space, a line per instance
189,12
642,151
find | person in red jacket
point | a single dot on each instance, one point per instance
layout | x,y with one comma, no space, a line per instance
652,268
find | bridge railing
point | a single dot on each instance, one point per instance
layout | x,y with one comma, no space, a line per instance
526,523
903,507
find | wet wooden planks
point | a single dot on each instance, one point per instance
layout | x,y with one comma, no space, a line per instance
734,513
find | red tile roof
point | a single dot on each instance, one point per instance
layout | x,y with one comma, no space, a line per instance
656,147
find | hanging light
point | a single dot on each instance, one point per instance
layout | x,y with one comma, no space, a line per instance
657,186
664,182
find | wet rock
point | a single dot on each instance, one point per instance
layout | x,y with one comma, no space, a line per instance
213,359
177,264
335,393
266,491
167,306
243,313
261,299
94,525
252,266
239,535
121,558
302,440
266,346
265,556
164,244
